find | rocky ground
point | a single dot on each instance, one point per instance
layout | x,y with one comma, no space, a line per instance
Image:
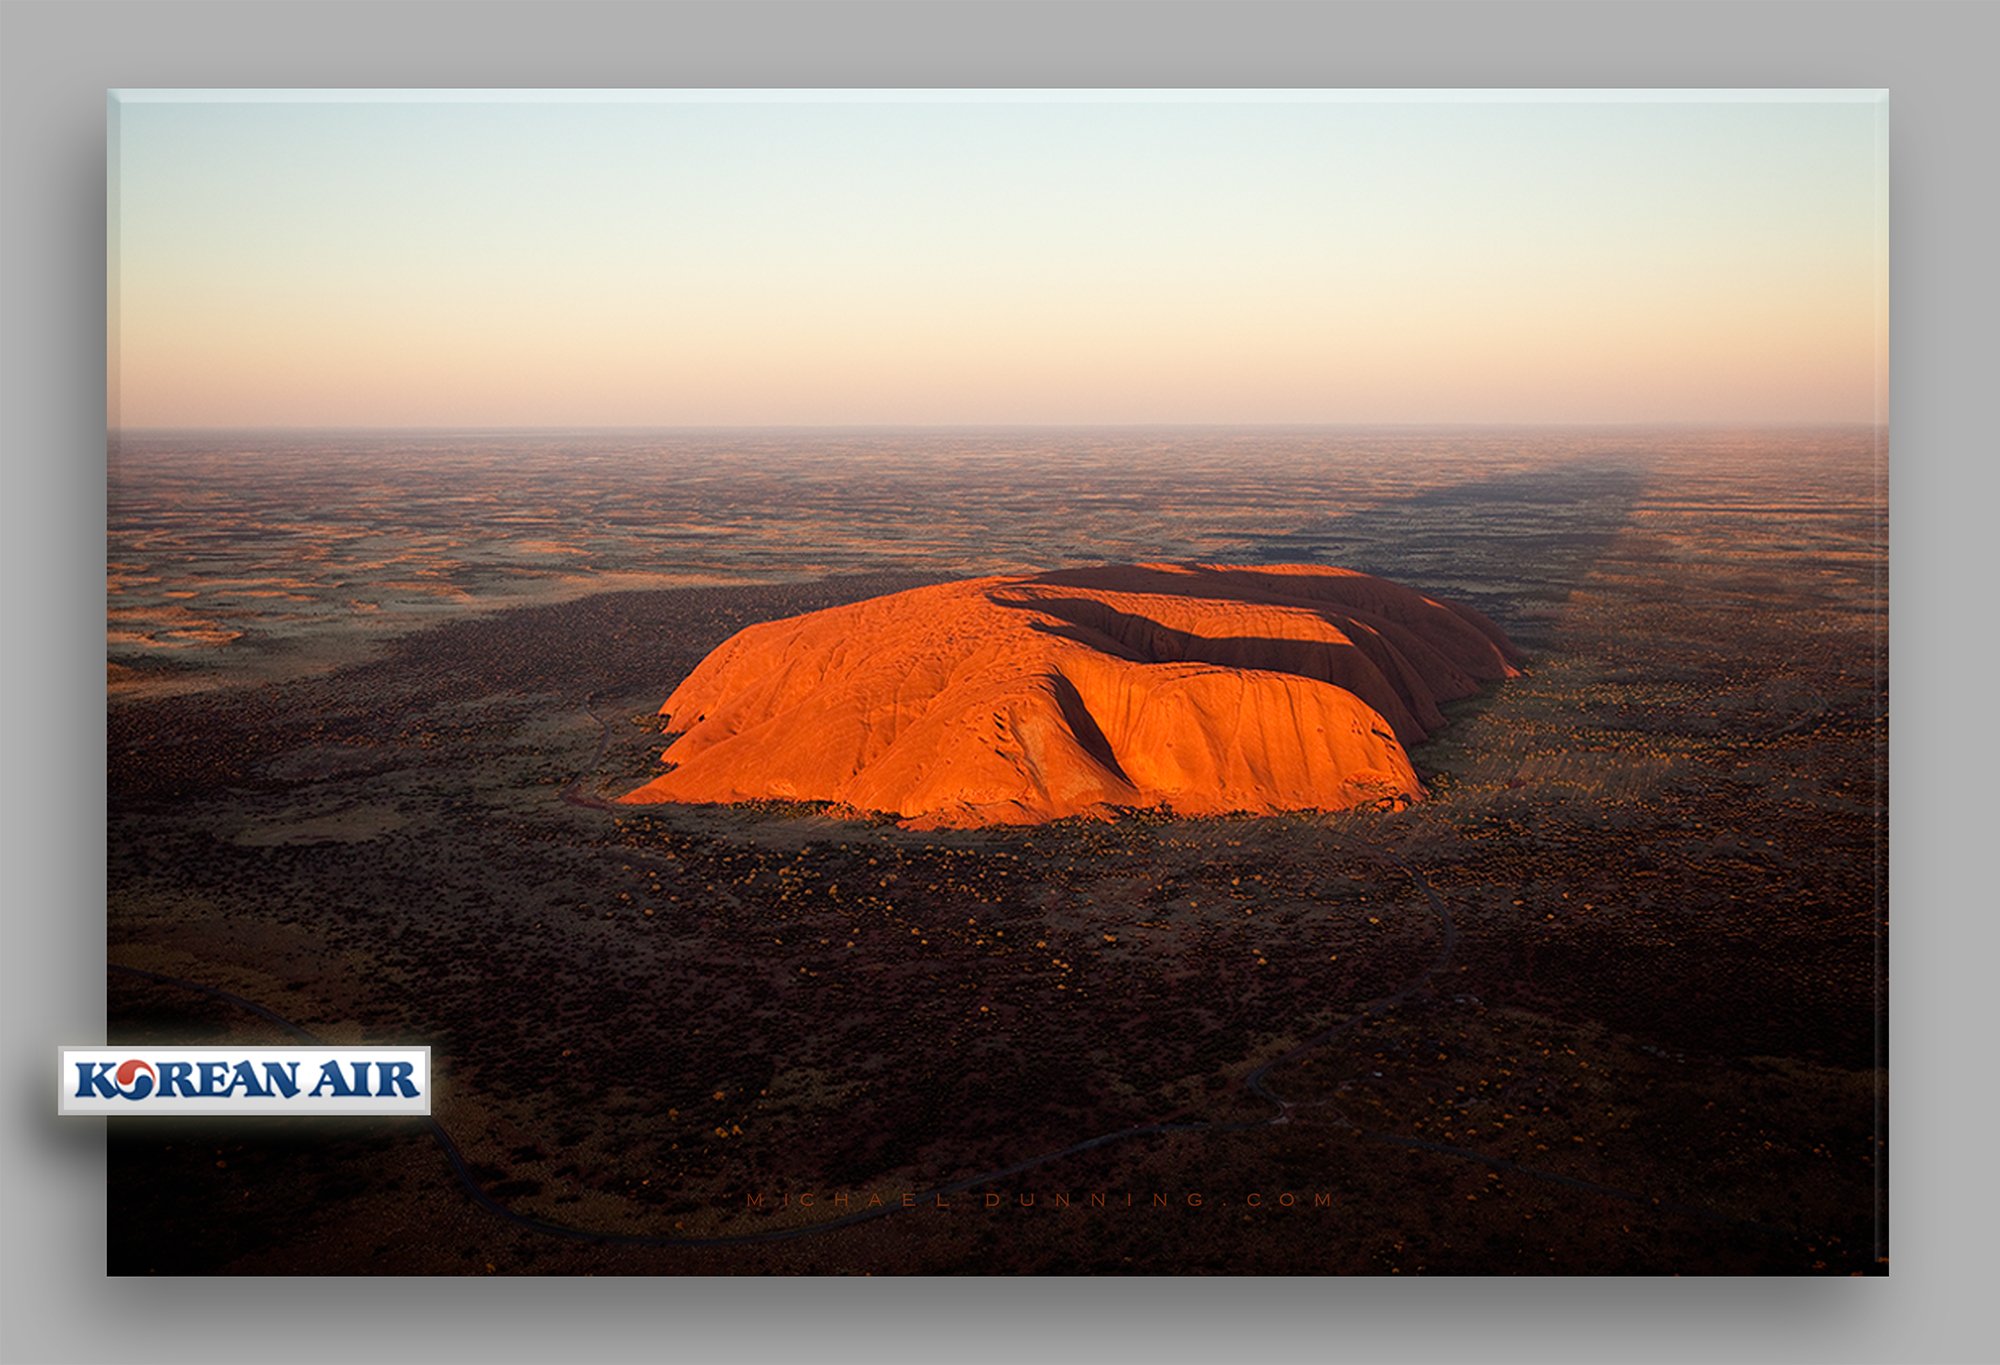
1608,1000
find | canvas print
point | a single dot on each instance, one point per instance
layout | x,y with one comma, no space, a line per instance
1009,682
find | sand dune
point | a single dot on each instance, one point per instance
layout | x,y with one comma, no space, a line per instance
1200,689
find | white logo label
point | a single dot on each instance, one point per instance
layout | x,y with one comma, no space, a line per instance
244,1080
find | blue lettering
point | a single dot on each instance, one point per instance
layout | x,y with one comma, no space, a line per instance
174,1079
247,1080
211,1075
94,1078
397,1075
282,1077
333,1081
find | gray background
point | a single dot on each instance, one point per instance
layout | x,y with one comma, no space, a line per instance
56,61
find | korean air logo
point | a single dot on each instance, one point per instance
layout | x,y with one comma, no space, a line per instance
135,1079
256,1080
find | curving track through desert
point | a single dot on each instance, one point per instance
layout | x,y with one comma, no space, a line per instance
574,794
1256,1083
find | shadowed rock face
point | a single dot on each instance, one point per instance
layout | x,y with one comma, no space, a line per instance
1200,689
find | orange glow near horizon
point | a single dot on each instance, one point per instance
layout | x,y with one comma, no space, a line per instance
382,264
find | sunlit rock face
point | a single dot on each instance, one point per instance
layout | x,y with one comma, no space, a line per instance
1196,689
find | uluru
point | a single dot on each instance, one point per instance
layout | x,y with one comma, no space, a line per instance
1194,689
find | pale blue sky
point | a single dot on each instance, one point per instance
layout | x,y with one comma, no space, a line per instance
650,261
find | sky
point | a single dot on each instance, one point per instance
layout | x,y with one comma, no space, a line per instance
467,260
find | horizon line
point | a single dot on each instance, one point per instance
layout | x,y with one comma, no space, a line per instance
1649,424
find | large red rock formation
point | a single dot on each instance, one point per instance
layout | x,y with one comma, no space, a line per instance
1202,689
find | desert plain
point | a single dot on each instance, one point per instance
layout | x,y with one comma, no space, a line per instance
1609,998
